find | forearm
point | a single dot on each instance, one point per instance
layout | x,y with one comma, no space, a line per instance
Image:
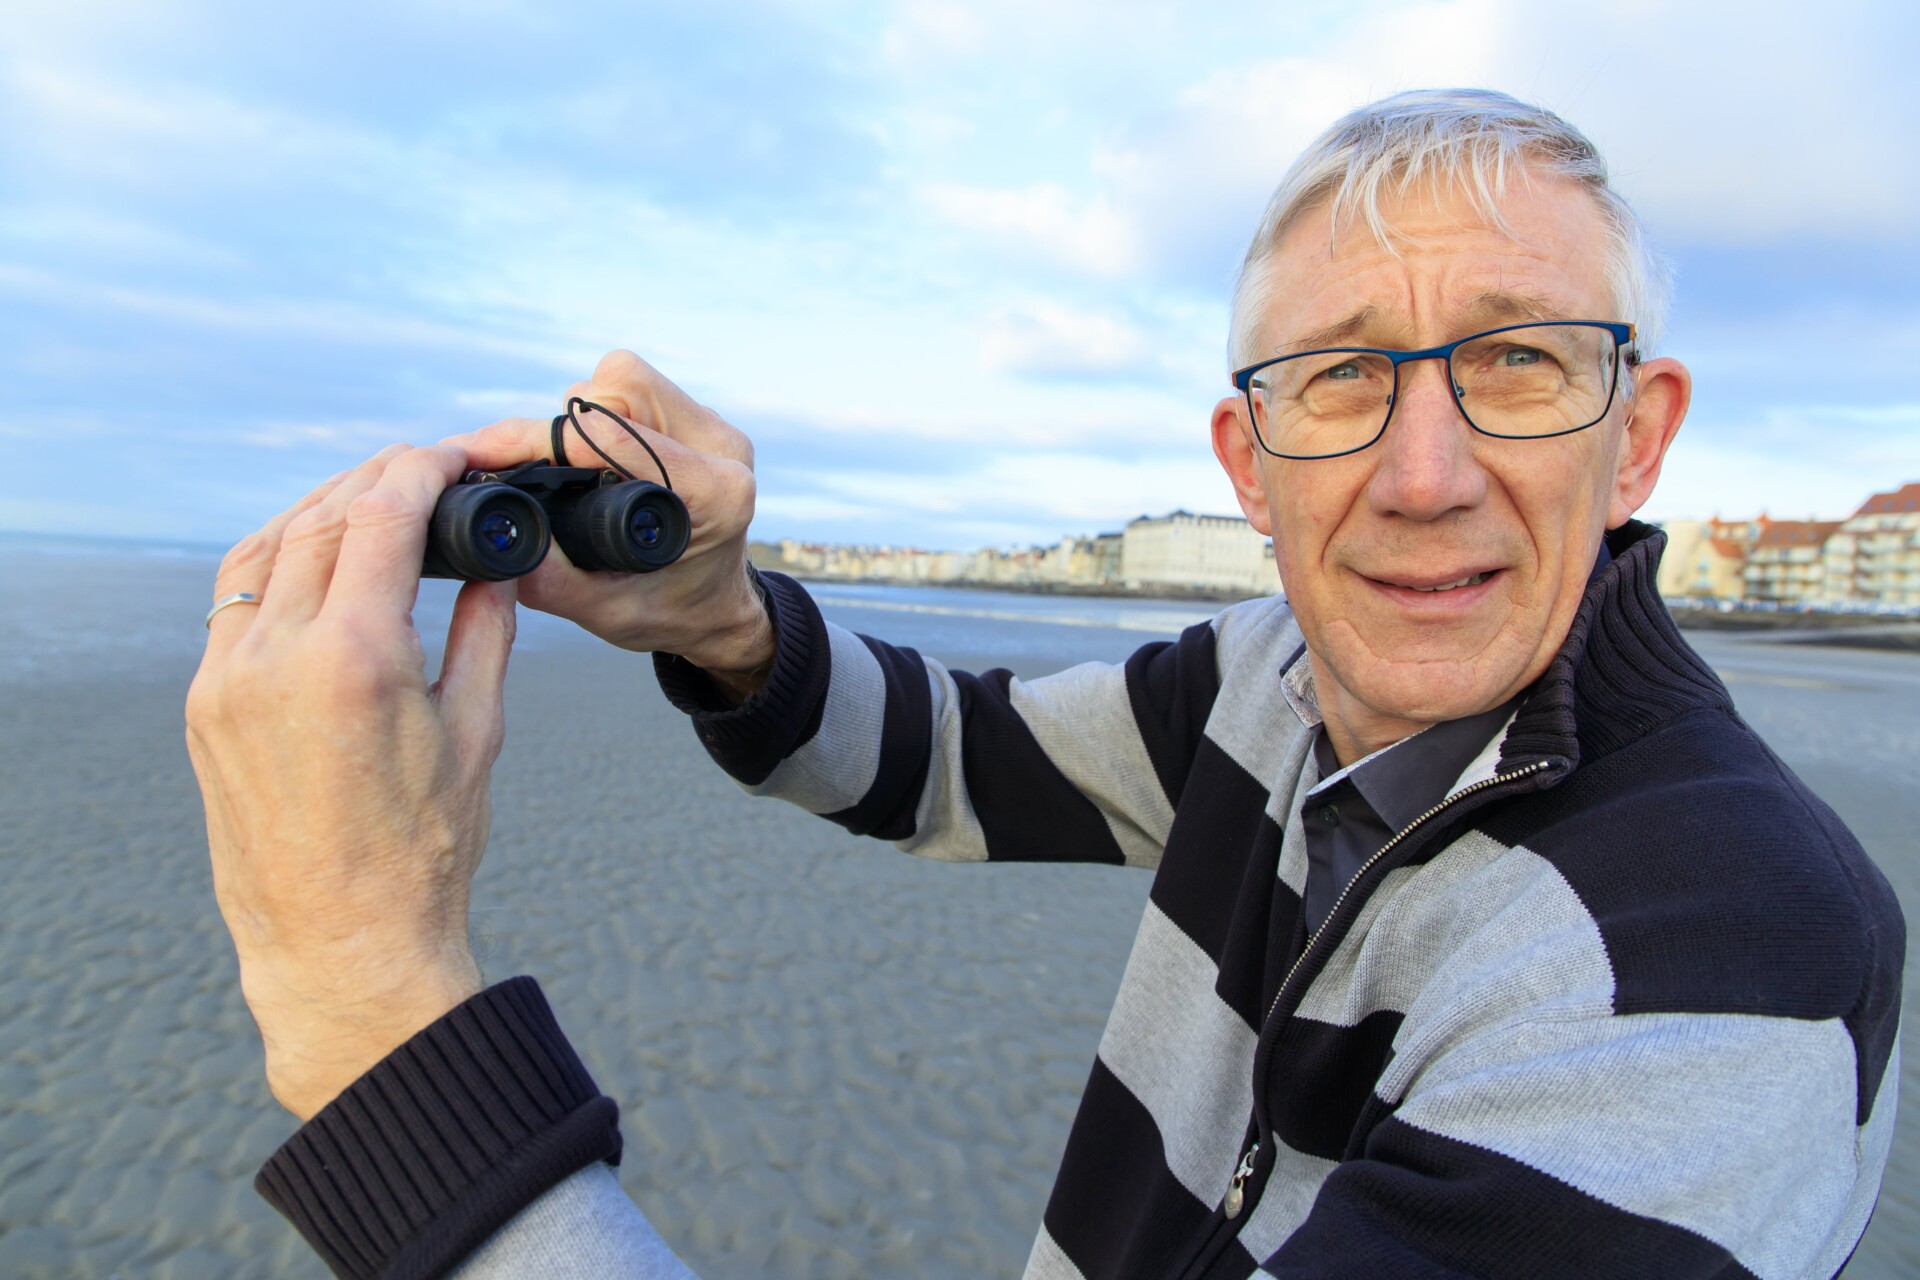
444,1141
946,764
585,1228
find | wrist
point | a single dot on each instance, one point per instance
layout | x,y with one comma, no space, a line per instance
320,1036
739,656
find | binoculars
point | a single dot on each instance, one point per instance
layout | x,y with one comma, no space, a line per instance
495,525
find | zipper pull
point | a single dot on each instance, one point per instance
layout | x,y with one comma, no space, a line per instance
1235,1197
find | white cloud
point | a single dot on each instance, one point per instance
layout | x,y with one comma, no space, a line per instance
931,31
1050,338
1042,221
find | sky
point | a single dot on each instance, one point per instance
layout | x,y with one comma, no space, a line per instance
959,269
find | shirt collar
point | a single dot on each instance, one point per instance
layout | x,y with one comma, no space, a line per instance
1404,780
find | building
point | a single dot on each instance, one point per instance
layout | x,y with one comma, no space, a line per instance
1874,556
1706,559
1788,562
1208,553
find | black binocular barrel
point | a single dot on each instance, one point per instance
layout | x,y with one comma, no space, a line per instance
633,527
485,532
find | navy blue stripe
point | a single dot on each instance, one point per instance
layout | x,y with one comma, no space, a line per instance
1423,1205
887,811
1329,1077
750,741
1720,884
1219,880
1116,1210
1028,810
1171,687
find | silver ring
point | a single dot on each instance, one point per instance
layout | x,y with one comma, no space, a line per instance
238,597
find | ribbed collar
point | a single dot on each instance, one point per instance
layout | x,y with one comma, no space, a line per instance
1623,671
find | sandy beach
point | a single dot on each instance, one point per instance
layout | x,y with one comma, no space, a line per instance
833,1059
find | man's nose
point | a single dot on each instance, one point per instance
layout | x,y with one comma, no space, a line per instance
1427,467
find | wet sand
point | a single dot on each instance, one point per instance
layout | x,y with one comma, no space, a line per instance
834,1060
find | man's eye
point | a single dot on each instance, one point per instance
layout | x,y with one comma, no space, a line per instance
1514,356
1343,372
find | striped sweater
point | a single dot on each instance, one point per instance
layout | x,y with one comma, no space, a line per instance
1625,1004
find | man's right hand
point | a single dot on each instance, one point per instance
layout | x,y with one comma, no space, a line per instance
704,606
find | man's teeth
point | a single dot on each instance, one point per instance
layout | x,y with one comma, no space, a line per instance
1472,580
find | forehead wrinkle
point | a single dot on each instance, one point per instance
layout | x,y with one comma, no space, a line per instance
1485,310
1332,335
1499,306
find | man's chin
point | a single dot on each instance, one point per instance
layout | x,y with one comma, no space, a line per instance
1431,685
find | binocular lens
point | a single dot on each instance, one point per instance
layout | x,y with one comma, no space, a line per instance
646,528
486,533
498,531
635,527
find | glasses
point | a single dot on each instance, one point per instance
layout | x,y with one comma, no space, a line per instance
1520,382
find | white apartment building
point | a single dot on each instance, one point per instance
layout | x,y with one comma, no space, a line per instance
1787,565
1874,556
1214,553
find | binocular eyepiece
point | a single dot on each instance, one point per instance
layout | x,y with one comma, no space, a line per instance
497,525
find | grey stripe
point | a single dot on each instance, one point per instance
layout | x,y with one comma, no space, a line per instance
1284,806
584,1228
835,769
1184,1053
1288,1198
945,825
1083,719
1480,933
1254,639
1734,1126
1871,1144
1049,1262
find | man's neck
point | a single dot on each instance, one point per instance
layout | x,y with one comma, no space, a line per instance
1354,738
1355,730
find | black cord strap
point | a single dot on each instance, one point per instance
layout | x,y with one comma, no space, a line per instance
559,444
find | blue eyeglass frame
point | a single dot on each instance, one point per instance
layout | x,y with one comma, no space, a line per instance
1623,338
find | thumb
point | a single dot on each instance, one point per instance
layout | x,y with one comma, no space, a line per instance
473,674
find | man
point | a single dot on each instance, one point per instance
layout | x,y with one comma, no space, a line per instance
1484,937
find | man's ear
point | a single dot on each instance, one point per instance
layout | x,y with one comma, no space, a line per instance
1234,445
1663,388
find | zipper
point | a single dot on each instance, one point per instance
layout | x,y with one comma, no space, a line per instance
1382,852
1235,1196
1234,1202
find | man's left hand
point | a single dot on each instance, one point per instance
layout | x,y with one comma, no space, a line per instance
347,798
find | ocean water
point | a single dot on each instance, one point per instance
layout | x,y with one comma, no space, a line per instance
802,1097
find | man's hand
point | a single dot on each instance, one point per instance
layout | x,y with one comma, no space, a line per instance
703,607
347,802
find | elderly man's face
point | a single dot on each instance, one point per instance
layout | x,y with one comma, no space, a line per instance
1433,502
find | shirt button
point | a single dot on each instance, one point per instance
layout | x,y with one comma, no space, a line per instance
1330,815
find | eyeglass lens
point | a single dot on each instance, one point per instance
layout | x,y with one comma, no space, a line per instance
1535,380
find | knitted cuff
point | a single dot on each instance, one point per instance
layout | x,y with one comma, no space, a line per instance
444,1140
750,740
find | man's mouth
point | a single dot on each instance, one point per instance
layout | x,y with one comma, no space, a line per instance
1471,580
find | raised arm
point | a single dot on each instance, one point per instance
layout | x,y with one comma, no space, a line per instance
1084,765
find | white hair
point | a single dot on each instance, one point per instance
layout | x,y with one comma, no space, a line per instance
1472,140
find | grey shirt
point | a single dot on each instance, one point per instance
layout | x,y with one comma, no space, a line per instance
1353,811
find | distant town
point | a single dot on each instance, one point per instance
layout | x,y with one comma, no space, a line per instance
1868,562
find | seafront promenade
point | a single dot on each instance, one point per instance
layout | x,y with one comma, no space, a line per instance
833,1059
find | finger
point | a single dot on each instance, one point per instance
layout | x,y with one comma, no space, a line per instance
310,544
506,443
377,573
600,429
246,569
631,387
473,673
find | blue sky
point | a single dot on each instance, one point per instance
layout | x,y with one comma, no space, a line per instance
959,269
